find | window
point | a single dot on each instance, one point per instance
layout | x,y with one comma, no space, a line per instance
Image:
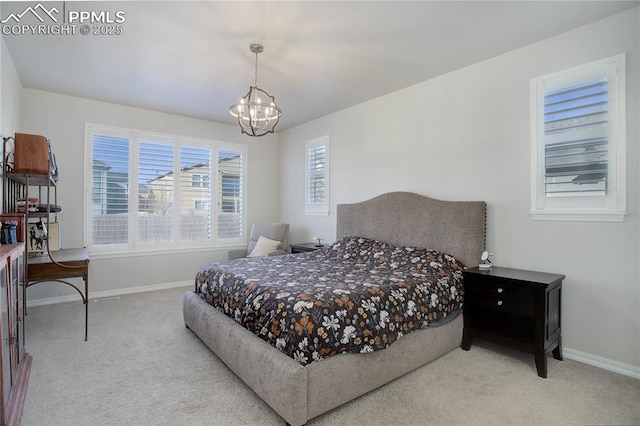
317,176
578,143
200,181
202,205
153,191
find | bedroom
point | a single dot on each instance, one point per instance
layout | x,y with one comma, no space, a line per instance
375,152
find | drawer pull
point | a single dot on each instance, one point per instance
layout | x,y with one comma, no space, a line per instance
499,302
500,290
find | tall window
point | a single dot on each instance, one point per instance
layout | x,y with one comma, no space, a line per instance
153,191
578,143
317,176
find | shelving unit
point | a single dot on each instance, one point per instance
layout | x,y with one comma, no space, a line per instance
24,168
16,186
49,266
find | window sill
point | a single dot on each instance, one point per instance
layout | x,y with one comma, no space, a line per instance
578,216
316,213
97,255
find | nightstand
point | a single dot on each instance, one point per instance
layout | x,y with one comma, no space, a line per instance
514,307
303,247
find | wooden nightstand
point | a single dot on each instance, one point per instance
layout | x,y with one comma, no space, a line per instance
516,308
303,247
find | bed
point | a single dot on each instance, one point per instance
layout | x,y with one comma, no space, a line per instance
301,391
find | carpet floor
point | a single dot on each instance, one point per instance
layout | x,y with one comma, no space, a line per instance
141,366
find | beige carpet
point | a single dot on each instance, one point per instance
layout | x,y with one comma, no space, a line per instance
141,366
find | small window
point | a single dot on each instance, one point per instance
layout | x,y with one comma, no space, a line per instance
199,181
578,143
317,176
202,205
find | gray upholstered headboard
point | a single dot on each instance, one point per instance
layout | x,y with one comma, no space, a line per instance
408,219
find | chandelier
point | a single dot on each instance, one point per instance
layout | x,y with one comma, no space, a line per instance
257,112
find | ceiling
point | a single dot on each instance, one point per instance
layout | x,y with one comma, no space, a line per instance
192,58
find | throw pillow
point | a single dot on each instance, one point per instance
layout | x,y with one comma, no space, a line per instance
264,246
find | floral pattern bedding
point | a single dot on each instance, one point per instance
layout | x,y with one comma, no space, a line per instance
357,295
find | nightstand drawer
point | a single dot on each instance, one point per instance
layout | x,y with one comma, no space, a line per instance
516,305
502,297
499,289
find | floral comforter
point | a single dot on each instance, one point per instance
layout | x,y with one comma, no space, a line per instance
358,295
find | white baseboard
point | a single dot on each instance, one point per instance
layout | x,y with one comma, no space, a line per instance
604,363
109,293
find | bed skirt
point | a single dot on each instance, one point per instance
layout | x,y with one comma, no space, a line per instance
299,393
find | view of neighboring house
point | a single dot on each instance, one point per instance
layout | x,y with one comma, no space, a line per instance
156,200
194,188
115,184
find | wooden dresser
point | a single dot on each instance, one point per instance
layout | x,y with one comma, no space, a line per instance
16,363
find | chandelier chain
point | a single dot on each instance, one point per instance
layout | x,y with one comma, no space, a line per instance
256,73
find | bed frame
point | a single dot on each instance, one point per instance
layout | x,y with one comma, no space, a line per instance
299,393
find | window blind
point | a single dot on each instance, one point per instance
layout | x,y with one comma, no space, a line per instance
155,191
182,187
576,139
110,190
578,142
316,160
195,193
230,194
316,177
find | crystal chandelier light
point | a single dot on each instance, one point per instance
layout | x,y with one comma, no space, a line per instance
257,112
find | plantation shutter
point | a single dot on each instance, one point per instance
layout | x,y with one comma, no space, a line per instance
576,139
230,194
317,176
195,193
155,191
316,183
110,190
162,192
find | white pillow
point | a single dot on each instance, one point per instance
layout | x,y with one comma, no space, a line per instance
264,246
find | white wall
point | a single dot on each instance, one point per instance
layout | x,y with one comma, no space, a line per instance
62,119
465,136
10,94
10,97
